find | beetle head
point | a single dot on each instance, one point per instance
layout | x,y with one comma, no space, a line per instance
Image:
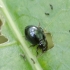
43,45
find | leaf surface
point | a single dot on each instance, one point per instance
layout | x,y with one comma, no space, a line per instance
32,12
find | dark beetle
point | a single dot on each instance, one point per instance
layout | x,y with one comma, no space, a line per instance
37,37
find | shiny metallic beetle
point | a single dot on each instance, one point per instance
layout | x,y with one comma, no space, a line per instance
37,37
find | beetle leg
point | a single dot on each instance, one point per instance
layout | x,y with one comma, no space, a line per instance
42,51
37,50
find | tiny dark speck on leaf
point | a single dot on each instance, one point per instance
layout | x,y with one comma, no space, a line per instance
69,30
47,14
51,7
33,60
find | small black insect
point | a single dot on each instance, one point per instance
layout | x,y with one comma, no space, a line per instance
22,55
37,37
33,60
47,14
51,7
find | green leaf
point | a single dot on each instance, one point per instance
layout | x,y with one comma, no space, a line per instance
32,12
10,52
